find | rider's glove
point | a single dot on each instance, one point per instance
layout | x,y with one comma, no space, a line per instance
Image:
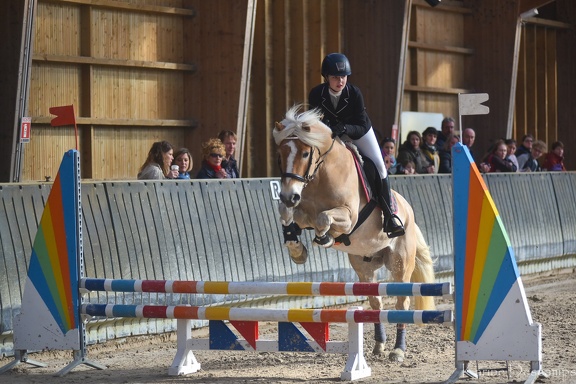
338,129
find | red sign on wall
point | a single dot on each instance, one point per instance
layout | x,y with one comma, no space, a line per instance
25,128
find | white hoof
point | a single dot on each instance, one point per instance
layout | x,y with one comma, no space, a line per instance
378,348
396,355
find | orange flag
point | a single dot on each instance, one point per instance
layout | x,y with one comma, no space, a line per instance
64,116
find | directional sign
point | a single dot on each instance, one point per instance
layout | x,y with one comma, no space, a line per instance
471,104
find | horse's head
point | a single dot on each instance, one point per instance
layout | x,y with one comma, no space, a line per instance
301,139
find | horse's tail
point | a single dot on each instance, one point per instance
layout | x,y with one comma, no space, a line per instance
423,270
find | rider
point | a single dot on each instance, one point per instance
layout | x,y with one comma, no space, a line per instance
342,105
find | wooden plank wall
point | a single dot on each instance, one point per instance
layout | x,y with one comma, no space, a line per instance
437,50
536,94
121,64
291,39
138,71
566,84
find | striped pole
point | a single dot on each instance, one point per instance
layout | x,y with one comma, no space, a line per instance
265,314
269,288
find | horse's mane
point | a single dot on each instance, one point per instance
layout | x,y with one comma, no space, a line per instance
293,123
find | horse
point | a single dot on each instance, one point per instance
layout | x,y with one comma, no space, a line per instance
321,190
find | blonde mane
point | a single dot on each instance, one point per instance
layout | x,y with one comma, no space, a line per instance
294,122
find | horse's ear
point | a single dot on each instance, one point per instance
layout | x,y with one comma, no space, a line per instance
279,126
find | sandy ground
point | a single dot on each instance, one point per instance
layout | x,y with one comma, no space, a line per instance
429,359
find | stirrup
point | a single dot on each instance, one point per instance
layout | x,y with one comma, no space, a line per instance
391,227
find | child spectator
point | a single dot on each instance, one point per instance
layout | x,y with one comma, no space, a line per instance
528,162
511,150
410,168
554,160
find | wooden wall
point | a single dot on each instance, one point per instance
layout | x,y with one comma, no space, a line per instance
138,71
122,66
532,101
291,39
435,70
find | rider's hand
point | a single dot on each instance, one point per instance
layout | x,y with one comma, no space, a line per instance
339,129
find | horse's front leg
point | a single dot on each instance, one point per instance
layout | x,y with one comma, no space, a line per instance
337,219
291,231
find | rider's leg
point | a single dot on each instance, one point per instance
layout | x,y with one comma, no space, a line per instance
368,146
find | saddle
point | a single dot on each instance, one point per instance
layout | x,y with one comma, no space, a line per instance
372,187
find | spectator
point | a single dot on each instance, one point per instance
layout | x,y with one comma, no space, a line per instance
446,130
510,152
409,168
343,109
228,138
496,160
213,152
183,159
157,164
410,151
388,162
528,162
389,150
554,160
445,154
429,150
526,145
468,139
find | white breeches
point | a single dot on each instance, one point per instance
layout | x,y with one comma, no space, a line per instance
368,146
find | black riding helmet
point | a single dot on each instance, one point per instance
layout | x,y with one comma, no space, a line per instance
336,64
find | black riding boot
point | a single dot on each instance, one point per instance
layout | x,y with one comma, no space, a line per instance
392,224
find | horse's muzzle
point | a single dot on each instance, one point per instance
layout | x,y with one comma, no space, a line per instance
290,201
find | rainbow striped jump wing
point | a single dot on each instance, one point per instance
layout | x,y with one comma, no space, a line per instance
493,320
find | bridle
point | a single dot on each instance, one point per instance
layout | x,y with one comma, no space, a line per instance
307,176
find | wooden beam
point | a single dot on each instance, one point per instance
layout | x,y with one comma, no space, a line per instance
440,48
526,5
129,7
122,122
450,91
549,23
443,7
115,62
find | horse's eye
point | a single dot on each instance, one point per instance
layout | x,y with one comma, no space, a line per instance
305,154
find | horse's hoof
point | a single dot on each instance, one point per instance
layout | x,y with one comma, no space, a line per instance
378,349
325,241
396,355
298,252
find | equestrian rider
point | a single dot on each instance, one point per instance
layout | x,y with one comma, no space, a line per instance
342,105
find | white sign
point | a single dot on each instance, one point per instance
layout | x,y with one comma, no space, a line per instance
471,104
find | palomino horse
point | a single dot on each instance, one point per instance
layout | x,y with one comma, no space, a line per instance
321,190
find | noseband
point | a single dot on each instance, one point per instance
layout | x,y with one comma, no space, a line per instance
307,176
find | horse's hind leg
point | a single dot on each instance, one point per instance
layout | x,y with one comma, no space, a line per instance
401,269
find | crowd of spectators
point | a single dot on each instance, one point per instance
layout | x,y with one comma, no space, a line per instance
430,152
